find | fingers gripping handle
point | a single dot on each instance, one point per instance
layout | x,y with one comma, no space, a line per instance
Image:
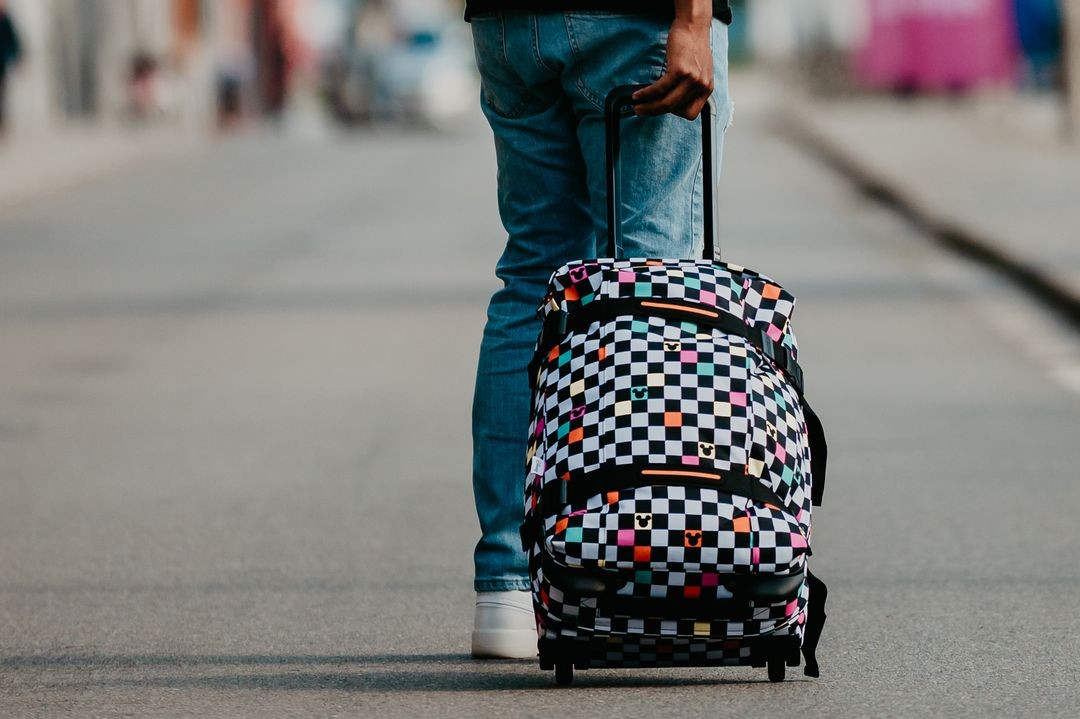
619,104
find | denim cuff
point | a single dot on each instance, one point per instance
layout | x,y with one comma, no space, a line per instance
502,584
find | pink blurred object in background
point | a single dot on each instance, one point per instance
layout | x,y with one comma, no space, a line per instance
938,45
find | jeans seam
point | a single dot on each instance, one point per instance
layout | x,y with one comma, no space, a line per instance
514,111
502,39
575,50
694,219
536,43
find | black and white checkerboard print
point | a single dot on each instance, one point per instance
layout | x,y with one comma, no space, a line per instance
615,651
658,392
561,616
689,535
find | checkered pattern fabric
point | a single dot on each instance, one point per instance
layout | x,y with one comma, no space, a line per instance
652,391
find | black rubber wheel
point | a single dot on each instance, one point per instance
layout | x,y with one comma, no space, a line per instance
777,669
564,673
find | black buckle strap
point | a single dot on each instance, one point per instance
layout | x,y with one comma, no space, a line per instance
557,324
613,478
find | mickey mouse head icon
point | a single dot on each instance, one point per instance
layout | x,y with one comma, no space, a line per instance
643,521
639,392
770,429
577,412
692,538
672,346
706,451
577,274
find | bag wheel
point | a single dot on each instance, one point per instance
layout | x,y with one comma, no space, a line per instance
777,668
564,673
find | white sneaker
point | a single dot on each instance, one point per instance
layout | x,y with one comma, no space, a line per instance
504,627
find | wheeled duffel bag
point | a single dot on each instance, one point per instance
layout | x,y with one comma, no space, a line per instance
673,462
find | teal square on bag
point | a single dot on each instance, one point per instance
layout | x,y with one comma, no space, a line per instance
565,356
787,476
689,328
573,534
706,369
643,577
692,283
639,327
643,289
564,429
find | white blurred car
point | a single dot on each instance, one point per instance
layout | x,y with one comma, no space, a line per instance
425,75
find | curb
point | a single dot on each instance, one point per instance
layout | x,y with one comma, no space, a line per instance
947,232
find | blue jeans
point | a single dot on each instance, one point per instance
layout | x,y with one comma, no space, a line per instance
544,79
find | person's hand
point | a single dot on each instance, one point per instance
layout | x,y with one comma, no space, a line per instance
688,80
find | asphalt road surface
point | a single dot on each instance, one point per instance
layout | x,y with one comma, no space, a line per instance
234,448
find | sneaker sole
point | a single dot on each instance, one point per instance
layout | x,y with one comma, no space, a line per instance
504,644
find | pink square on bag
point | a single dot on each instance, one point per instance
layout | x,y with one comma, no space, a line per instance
626,538
627,277
708,298
688,356
774,333
738,399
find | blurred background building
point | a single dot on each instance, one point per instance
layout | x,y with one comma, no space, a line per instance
215,63
204,64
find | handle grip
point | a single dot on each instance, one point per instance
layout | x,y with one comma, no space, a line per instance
619,105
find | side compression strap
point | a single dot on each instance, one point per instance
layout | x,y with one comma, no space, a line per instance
815,620
612,478
557,324
819,452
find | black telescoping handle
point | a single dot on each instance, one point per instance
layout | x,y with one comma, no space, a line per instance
619,105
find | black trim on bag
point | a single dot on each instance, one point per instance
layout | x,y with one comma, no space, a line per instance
819,452
605,584
613,478
558,324
815,621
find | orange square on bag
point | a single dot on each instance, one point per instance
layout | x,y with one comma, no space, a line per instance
642,554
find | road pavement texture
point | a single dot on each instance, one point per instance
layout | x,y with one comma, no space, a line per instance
234,447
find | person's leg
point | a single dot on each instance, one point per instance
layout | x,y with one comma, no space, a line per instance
661,156
543,203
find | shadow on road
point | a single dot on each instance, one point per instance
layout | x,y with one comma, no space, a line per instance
362,673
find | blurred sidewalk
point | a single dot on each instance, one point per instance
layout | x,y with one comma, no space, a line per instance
991,178
37,165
